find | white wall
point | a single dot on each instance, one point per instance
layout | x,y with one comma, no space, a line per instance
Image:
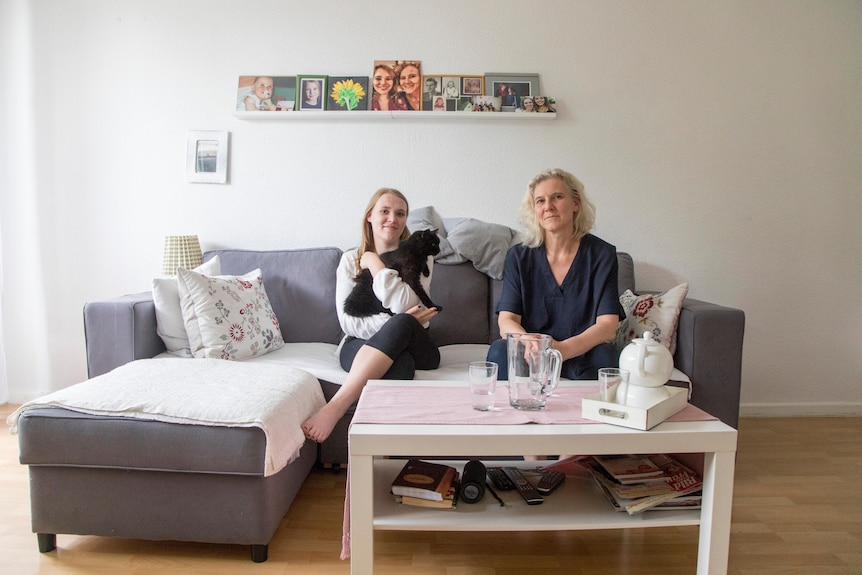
720,141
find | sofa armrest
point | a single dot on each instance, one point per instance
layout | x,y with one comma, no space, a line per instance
120,330
709,351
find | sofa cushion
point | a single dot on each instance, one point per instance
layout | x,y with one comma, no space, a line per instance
464,293
300,285
169,315
321,361
61,437
228,317
656,313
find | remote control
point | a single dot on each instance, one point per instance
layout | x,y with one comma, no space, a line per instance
549,481
524,487
500,480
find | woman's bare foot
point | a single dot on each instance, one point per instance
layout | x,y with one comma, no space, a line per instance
320,425
369,363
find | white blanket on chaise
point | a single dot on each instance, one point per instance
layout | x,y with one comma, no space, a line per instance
277,399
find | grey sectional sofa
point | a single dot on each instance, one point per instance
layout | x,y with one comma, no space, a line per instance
103,476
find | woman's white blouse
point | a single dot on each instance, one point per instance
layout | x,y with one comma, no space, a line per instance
389,289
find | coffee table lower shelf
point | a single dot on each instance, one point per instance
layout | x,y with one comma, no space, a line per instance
576,505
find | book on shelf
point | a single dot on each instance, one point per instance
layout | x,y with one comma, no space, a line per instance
679,481
424,480
629,468
449,501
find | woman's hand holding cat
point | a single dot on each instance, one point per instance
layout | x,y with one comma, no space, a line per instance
371,262
422,314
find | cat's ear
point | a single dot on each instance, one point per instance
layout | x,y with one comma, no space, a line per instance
434,231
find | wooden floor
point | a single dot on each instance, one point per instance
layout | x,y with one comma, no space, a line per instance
797,508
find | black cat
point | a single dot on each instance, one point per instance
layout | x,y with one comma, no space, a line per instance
409,259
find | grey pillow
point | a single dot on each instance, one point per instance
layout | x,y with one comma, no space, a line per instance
485,244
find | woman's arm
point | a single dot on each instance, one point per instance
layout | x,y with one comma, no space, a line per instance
393,292
361,327
603,331
509,322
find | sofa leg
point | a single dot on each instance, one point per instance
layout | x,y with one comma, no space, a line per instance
259,553
47,542
335,467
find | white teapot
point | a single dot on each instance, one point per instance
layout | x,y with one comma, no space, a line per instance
650,366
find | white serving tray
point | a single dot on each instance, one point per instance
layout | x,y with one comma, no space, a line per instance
642,418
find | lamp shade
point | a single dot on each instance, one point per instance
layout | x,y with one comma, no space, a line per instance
181,251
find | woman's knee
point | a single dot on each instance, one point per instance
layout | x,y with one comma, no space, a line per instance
401,326
403,367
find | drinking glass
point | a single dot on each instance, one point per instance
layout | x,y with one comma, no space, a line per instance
483,384
611,379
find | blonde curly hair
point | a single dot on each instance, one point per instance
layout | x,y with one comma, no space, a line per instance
533,235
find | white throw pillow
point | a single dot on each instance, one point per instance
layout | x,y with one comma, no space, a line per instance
657,313
169,316
228,317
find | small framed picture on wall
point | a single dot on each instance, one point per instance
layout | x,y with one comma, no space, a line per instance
206,157
311,92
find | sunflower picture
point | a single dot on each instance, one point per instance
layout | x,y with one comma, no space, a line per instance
348,93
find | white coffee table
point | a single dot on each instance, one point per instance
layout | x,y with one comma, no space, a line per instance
575,505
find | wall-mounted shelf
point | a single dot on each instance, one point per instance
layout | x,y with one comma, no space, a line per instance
392,115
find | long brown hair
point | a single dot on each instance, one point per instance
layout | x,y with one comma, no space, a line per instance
367,243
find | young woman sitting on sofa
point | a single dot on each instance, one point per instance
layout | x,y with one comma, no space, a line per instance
379,346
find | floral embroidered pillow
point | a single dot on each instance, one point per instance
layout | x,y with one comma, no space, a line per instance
228,317
656,313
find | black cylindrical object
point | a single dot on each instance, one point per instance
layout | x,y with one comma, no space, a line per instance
473,482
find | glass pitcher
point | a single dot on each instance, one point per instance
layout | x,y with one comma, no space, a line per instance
534,369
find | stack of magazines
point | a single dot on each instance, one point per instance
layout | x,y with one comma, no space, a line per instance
637,483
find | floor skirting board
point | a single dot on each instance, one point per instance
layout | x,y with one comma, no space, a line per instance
821,409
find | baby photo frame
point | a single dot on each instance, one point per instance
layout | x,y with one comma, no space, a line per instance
266,93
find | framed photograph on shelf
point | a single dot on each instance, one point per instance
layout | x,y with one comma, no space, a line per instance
451,87
487,103
311,92
472,85
511,88
348,93
397,85
545,104
266,93
464,104
206,157
431,88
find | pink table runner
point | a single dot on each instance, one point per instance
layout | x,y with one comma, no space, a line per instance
450,405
